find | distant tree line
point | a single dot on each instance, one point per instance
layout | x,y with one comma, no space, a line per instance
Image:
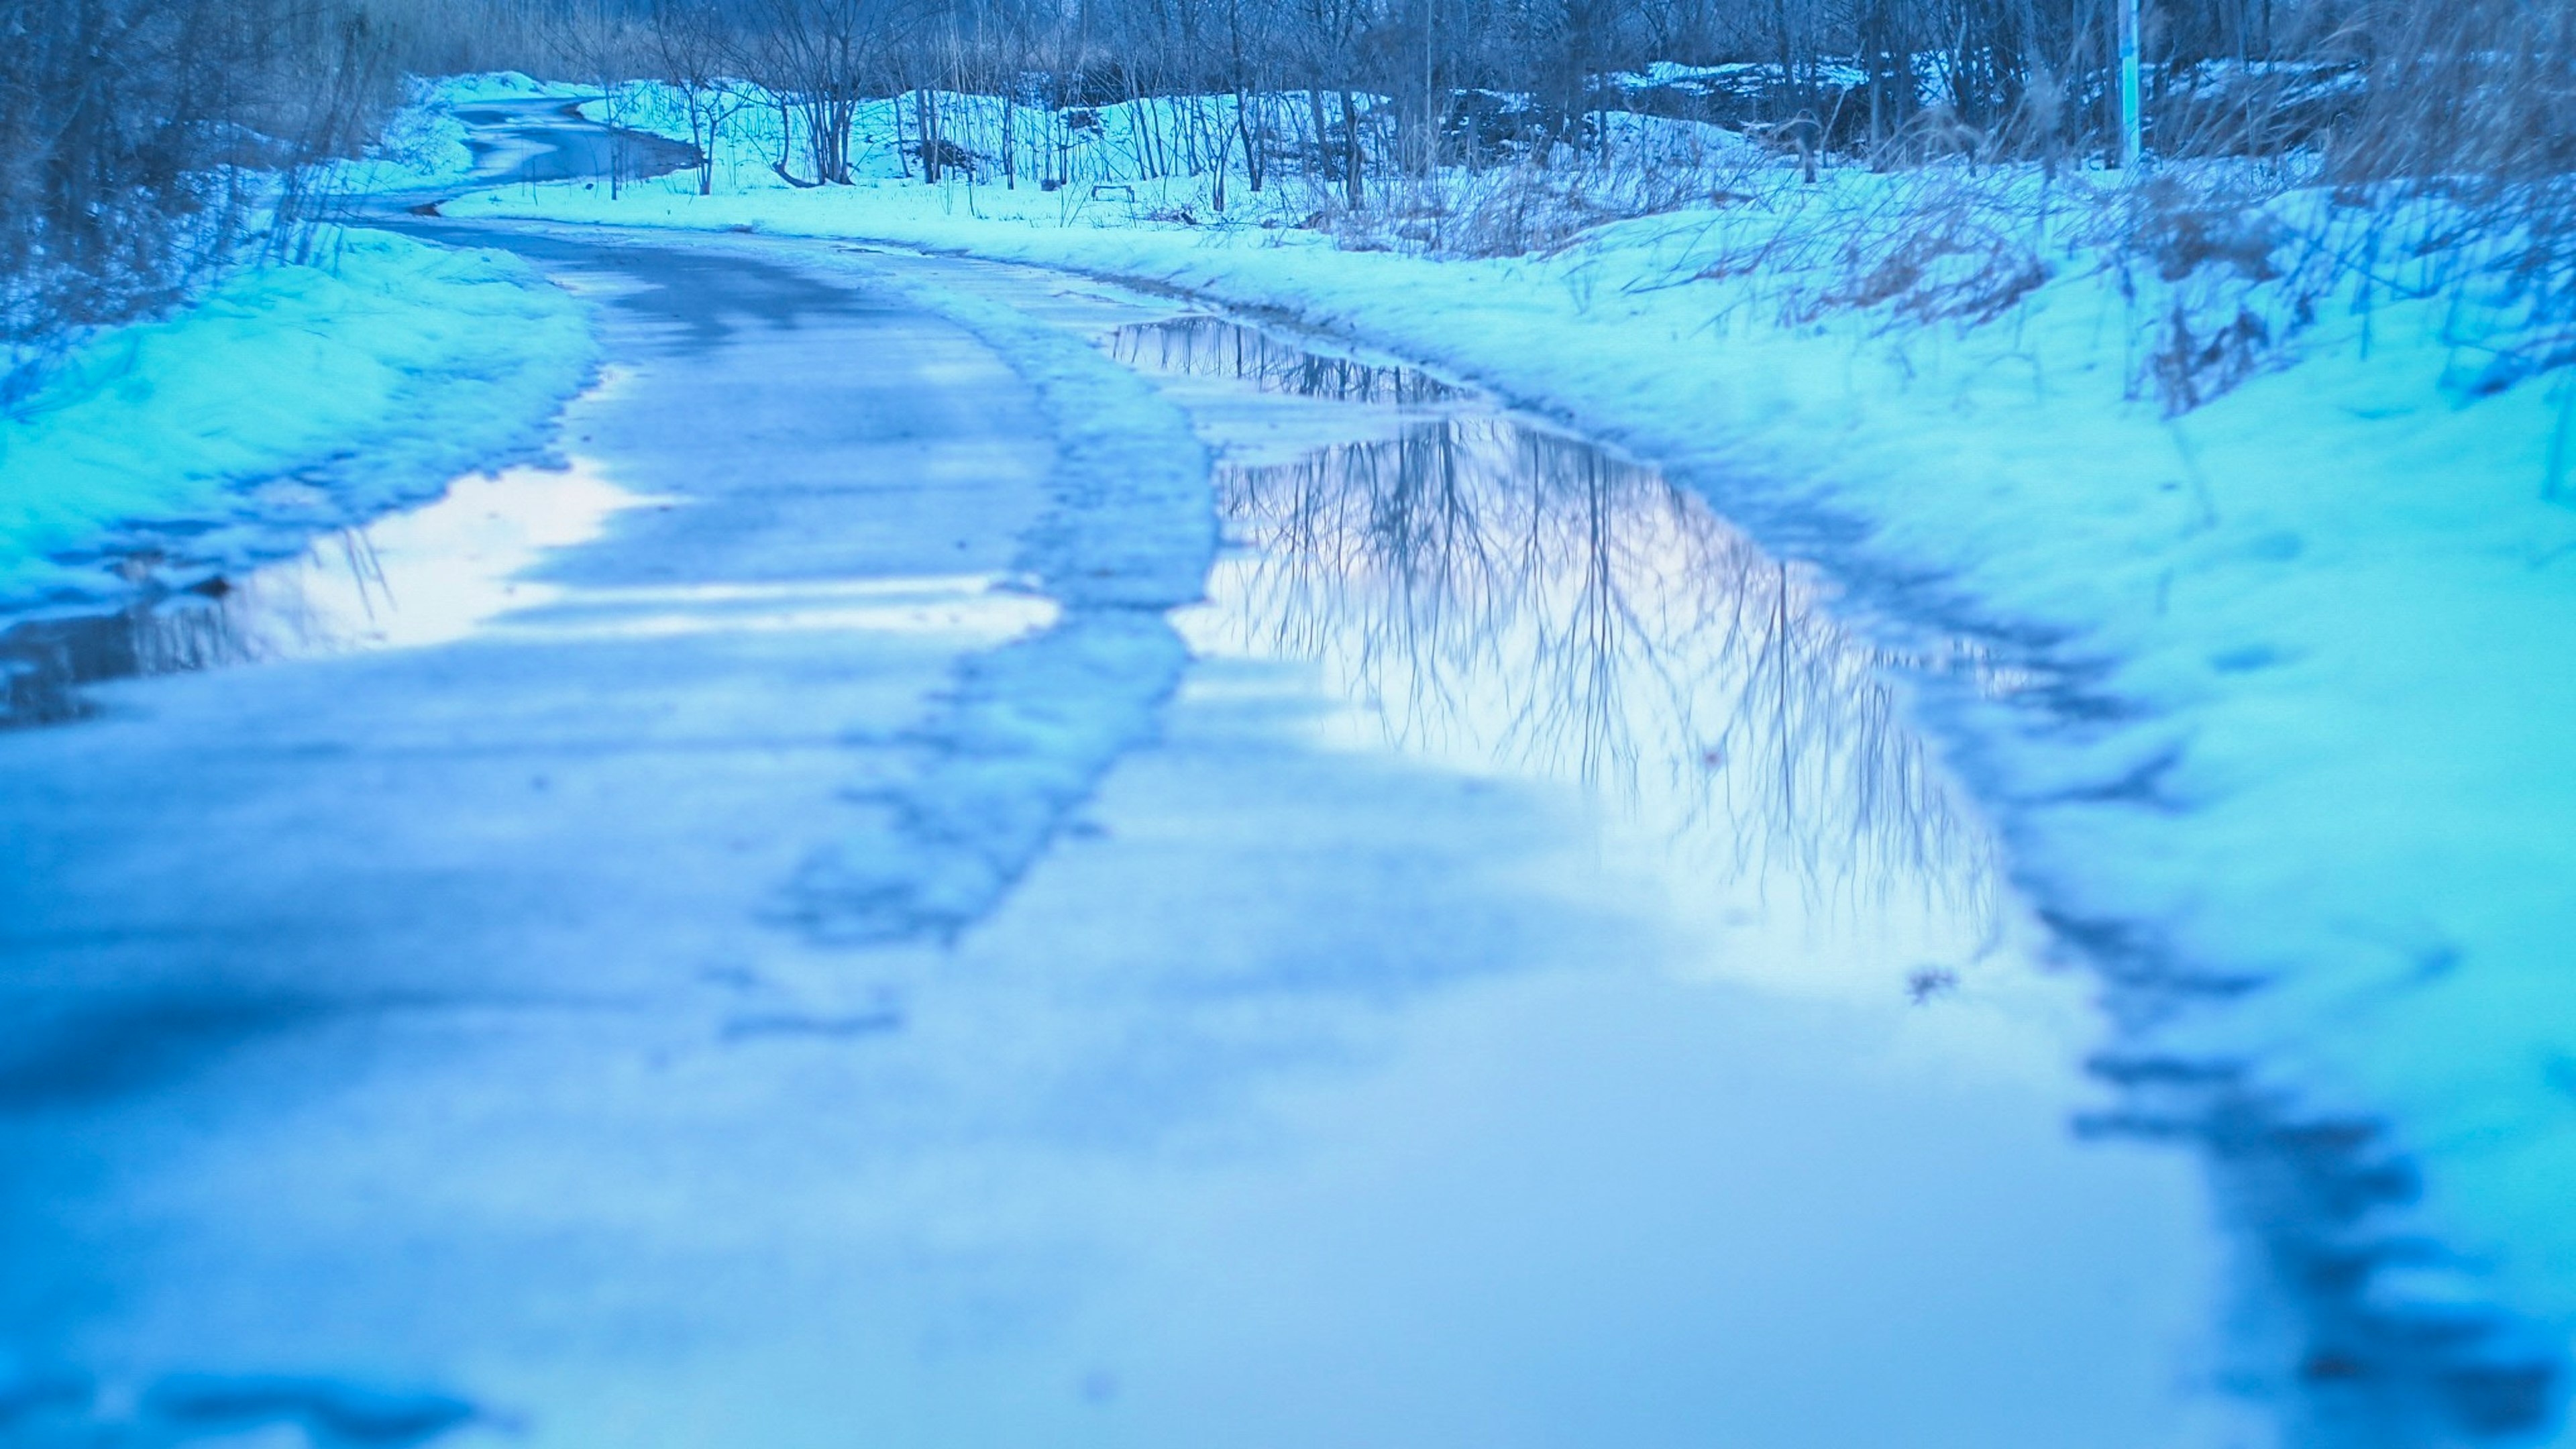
1891,79
129,128
2443,130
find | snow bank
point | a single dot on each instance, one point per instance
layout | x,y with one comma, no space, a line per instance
2297,773
291,398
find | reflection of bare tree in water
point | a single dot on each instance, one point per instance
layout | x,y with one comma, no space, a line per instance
1511,592
1214,347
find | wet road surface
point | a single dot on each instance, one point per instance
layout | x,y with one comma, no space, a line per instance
1507,976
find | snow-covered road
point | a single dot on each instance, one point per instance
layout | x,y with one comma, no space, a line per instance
804,928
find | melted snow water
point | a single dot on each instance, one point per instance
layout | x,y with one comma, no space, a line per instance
1502,596
1288,1067
1480,592
421,577
464,565
549,140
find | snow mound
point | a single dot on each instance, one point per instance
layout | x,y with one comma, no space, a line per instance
290,399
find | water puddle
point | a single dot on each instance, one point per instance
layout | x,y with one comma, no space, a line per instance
525,142
463,566
988,608
424,577
1501,597
1819,911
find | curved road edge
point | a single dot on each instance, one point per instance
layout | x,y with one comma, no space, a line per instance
1026,732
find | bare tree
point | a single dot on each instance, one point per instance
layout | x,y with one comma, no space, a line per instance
126,127
696,49
819,57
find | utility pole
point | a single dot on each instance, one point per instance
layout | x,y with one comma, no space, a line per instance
2129,98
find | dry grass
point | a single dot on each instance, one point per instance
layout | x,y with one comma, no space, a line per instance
143,143
2458,176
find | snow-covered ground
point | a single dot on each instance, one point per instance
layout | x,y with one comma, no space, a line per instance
289,399
2263,696
2283,747
295,397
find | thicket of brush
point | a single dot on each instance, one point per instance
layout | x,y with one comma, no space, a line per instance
2300,148
2305,153
143,143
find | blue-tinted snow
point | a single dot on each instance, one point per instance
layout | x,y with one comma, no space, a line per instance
2287,766
291,399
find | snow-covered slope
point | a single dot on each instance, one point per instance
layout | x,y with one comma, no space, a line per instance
2281,739
290,398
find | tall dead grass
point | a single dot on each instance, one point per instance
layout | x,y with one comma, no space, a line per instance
142,146
2457,178
2422,154
1545,198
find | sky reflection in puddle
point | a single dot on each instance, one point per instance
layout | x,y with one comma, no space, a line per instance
1211,347
423,577
453,569
1503,598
